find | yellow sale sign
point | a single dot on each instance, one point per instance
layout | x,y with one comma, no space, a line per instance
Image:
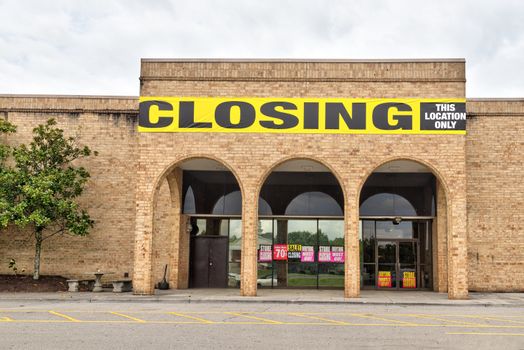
384,279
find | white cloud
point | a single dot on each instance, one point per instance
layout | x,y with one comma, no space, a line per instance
94,47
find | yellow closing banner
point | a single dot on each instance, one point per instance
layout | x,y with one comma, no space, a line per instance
302,115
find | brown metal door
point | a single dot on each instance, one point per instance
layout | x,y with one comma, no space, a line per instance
217,273
208,268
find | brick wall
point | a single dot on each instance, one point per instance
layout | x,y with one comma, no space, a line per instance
108,126
495,168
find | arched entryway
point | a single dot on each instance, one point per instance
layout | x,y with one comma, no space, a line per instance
403,228
197,225
300,238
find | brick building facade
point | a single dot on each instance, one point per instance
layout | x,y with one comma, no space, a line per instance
135,193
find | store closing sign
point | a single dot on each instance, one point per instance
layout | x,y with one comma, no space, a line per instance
302,115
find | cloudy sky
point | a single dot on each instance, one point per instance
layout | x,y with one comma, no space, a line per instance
94,47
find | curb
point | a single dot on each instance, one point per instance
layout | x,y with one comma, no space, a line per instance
189,300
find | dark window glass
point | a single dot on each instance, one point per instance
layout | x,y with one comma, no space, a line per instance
398,194
299,194
388,204
230,204
314,203
211,192
368,242
263,207
387,229
189,202
368,275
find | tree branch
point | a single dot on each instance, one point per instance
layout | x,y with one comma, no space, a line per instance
62,229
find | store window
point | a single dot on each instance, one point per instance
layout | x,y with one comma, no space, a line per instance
301,253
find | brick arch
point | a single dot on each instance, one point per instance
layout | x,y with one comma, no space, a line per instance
174,249
175,163
262,179
427,164
443,283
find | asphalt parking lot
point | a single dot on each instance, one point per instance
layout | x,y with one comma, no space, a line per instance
62,325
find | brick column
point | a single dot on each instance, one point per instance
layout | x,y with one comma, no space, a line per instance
182,281
248,268
142,275
457,245
439,240
179,252
352,249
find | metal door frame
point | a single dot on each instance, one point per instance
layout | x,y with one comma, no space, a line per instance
397,261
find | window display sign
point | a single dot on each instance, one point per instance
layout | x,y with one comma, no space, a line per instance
384,279
409,280
308,254
337,254
324,253
294,251
265,253
280,252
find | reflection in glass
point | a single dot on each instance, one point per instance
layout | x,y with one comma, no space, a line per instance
265,269
303,193
301,275
314,203
189,202
368,275
263,207
398,194
389,230
229,204
211,192
299,233
387,204
403,254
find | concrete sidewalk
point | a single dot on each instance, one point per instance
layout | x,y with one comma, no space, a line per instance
287,296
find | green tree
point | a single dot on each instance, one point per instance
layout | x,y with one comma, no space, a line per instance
5,151
5,128
40,191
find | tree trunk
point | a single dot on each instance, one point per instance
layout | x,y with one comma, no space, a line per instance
38,249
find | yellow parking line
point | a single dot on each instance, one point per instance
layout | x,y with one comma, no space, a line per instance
487,333
69,318
319,318
385,319
428,317
490,318
265,320
6,319
200,320
128,317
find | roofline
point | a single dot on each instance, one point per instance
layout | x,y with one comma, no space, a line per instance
299,60
69,96
495,99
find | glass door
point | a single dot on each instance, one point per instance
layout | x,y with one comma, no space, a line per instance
387,264
397,264
407,264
